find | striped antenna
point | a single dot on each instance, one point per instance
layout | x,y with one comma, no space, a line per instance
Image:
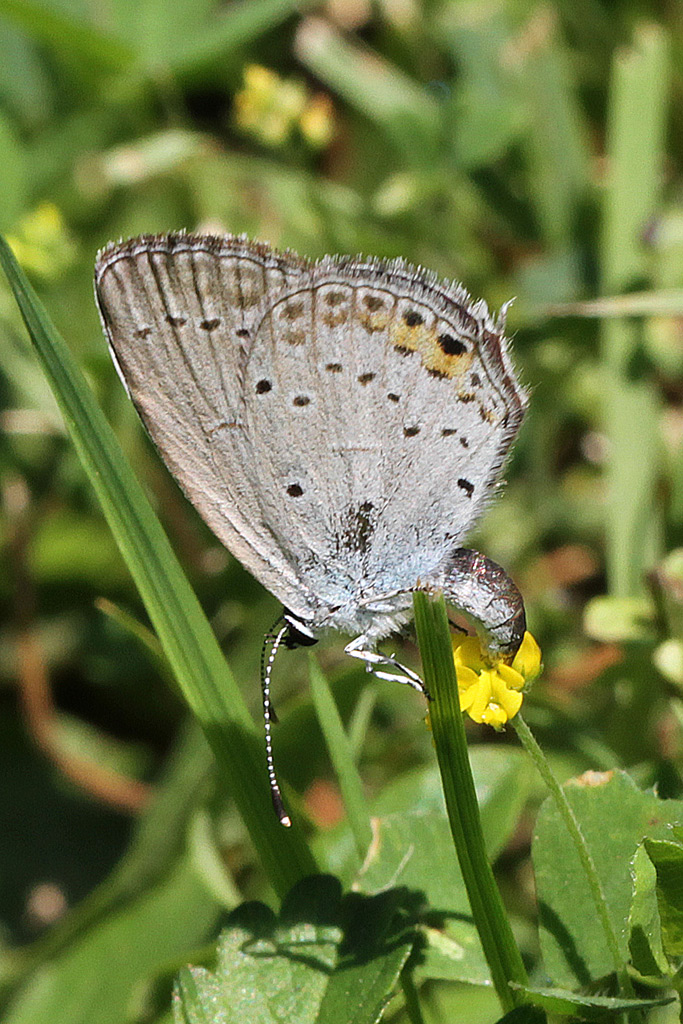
269,717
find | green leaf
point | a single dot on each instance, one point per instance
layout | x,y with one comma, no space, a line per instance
558,157
667,858
502,779
636,157
568,1004
328,958
238,25
487,110
614,817
413,848
415,851
645,939
616,619
182,628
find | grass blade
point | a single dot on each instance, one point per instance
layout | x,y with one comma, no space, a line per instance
635,158
341,755
180,624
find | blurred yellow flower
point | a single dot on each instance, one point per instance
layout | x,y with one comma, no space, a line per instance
316,123
491,690
41,241
275,109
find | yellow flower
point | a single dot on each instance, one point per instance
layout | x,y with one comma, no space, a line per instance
42,243
491,690
278,110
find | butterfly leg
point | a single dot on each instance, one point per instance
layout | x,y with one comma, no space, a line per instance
373,660
483,590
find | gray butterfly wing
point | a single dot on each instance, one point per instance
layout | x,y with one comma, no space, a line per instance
180,314
380,406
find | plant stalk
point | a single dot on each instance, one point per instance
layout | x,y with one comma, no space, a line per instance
448,730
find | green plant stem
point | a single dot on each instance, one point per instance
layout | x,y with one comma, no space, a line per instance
411,996
587,863
448,730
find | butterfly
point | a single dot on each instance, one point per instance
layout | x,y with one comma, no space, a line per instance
340,425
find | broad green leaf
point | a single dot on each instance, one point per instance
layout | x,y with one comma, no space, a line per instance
414,850
503,776
413,847
614,817
327,958
616,619
645,939
667,858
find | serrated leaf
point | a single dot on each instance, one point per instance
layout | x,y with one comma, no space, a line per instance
327,958
568,1004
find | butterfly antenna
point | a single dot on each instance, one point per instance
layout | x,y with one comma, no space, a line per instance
269,639
267,662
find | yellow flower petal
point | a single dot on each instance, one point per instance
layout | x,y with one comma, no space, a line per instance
466,677
510,676
468,652
509,700
494,716
482,696
527,660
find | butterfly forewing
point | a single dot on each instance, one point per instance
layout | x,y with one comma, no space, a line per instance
180,315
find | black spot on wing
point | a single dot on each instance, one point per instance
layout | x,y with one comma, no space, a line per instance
450,345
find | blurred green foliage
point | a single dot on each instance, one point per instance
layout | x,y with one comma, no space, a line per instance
529,149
